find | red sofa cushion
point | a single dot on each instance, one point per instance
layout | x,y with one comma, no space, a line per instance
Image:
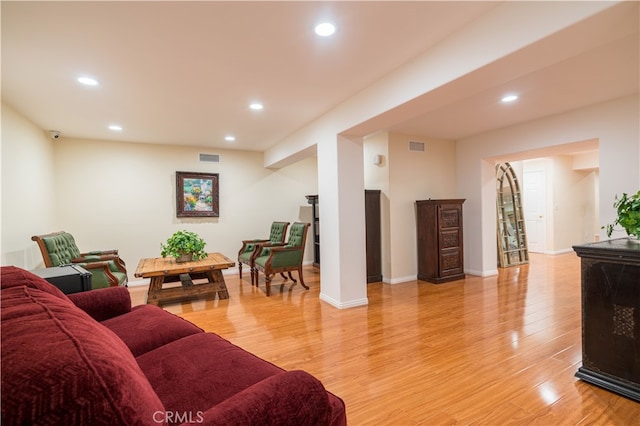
103,303
91,379
219,372
204,377
148,327
293,398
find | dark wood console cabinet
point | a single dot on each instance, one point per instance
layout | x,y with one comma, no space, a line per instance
440,250
611,315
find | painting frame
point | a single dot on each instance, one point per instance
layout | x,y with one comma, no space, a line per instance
197,194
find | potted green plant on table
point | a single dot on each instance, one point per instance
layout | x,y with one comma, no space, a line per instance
628,209
184,246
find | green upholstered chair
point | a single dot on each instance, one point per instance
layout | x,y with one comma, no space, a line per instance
247,251
106,267
281,259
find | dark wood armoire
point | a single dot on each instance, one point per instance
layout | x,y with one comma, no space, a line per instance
439,233
373,235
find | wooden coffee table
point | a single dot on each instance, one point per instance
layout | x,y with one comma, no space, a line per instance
167,270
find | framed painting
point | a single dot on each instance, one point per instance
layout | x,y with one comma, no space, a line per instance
197,194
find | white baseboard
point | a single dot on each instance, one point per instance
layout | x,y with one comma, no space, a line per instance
562,251
343,305
399,280
487,273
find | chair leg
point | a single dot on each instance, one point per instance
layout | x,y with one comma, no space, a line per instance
291,276
301,280
239,268
254,273
267,280
284,276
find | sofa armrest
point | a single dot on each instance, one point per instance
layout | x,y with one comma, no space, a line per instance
290,398
103,303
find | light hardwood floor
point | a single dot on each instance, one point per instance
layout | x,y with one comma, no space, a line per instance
486,351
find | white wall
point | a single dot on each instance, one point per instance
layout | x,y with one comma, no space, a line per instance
404,177
571,202
407,92
573,205
615,124
28,188
588,185
376,176
131,205
415,176
122,195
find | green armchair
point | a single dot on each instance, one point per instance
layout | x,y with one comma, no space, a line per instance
280,259
106,267
247,252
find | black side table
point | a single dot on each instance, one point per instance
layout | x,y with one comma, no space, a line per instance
68,278
610,315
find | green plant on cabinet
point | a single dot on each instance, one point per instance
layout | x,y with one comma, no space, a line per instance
628,214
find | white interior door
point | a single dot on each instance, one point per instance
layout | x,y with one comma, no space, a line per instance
534,204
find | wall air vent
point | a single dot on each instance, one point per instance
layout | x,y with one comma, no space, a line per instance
211,158
416,146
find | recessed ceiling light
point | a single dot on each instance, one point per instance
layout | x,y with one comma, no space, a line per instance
115,127
325,29
88,81
256,106
509,98
229,138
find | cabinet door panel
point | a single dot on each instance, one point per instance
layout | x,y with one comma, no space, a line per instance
450,262
450,238
450,216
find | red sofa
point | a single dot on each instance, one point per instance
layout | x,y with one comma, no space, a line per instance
90,358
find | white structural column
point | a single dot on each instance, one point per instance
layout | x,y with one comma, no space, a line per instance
343,280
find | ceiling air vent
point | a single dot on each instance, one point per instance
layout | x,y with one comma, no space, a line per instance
211,158
416,146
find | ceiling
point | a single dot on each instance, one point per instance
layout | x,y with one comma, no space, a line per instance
184,73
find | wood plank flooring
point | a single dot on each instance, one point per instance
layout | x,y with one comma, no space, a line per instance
500,350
